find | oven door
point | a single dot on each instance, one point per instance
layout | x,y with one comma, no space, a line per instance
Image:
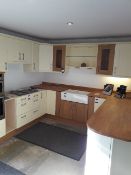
1,87
2,108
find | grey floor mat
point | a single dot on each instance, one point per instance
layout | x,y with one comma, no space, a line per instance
59,140
8,170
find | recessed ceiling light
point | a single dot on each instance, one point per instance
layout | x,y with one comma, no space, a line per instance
70,23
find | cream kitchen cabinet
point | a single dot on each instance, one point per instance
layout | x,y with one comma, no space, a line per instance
3,54
19,50
43,103
46,58
34,66
51,102
98,102
36,97
122,60
23,110
2,128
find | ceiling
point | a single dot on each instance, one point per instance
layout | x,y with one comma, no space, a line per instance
48,18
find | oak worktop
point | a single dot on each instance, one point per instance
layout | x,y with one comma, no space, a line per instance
112,119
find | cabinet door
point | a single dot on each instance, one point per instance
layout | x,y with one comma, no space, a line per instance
43,102
74,111
13,54
3,54
2,128
122,61
80,112
105,59
59,58
45,58
66,109
19,50
51,102
24,51
23,119
35,57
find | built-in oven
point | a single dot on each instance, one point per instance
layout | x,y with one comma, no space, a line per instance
1,84
2,114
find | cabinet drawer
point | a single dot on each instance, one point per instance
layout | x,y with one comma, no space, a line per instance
36,99
35,113
24,119
23,104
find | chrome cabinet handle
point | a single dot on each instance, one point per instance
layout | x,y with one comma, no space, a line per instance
23,116
19,56
5,66
35,111
23,56
34,66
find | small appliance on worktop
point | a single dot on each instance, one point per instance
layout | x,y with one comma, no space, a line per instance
121,91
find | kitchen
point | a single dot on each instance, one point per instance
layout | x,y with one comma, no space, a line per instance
67,74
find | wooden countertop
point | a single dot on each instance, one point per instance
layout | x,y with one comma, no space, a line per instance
112,119
63,87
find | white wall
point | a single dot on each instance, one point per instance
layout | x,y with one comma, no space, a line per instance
86,78
15,78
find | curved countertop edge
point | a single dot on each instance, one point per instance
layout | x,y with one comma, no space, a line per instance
112,119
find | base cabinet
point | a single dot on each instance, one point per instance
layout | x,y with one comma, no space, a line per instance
2,128
51,102
74,111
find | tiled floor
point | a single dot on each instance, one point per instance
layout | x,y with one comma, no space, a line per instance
34,160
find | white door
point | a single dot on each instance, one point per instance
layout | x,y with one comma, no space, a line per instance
46,58
122,60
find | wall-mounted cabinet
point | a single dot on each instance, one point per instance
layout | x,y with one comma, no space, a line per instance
34,66
105,59
19,50
76,54
122,61
59,57
46,58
